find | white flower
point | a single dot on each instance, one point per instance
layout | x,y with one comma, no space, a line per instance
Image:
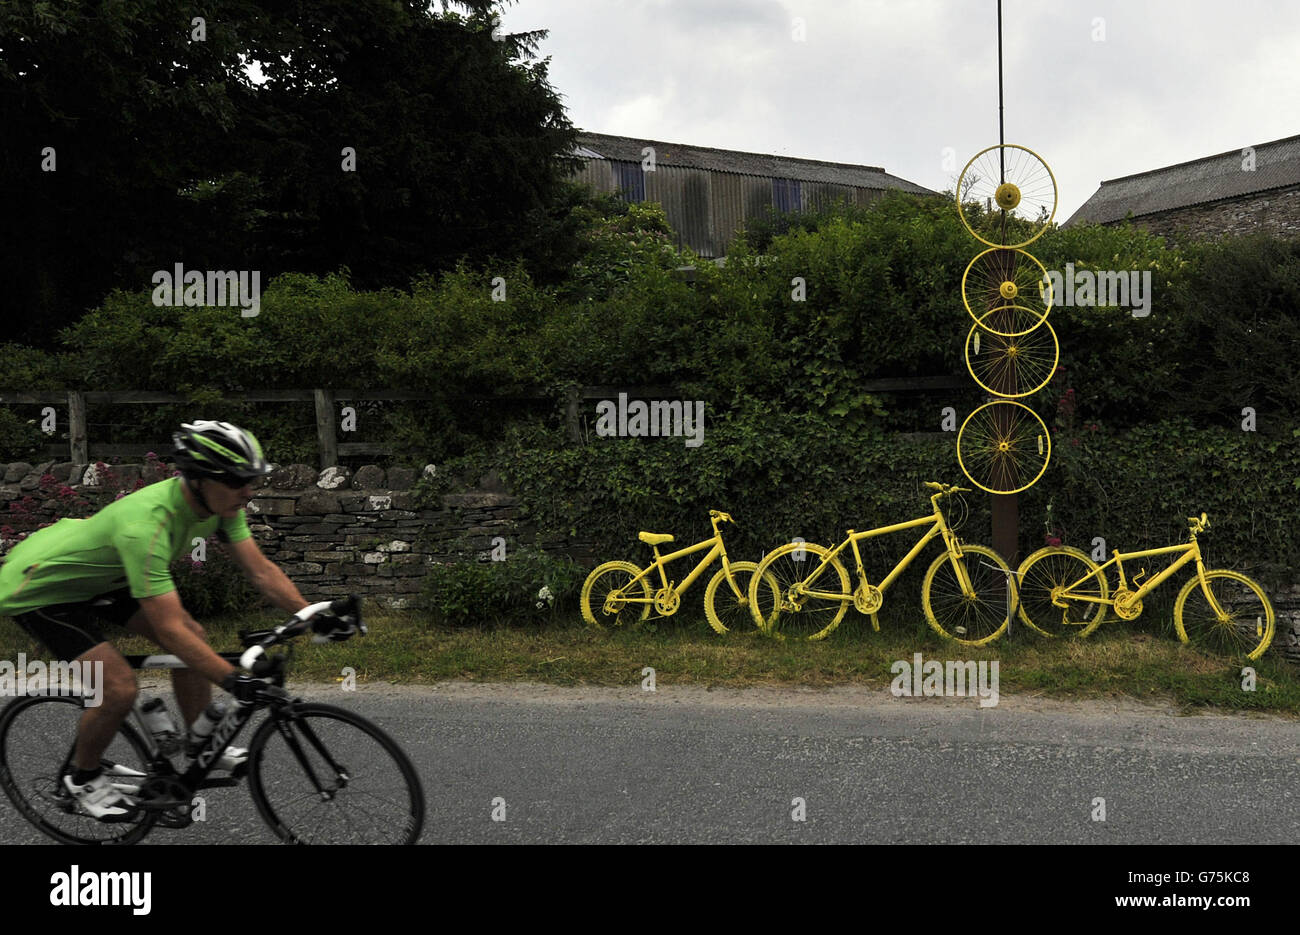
545,598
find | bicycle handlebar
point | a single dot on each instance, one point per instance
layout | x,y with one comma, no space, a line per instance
261,640
945,488
722,517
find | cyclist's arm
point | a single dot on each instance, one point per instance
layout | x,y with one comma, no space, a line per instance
165,613
266,576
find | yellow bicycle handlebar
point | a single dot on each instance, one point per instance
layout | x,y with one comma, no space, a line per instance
945,489
722,517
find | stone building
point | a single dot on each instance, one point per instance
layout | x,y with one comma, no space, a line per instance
1251,190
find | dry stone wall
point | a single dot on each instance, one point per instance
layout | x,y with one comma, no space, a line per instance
332,532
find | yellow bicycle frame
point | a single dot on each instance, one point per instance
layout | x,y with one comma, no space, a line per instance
716,549
1191,550
938,527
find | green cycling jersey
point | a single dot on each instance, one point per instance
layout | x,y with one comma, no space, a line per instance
129,543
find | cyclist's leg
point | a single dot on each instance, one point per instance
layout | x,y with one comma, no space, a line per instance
70,633
99,724
193,691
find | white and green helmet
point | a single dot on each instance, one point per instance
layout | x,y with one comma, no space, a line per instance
218,450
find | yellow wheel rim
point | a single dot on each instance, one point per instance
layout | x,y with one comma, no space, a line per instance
1003,447
1006,196
1012,366
1000,278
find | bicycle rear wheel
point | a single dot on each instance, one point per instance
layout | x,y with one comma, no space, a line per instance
369,792
36,739
787,609
1044,577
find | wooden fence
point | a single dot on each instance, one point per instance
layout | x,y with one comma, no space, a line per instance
80,450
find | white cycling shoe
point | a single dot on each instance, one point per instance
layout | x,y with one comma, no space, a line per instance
233,758
101,799
229,761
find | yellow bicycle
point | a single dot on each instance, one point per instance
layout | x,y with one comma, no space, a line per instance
619,593
1063,591
969,594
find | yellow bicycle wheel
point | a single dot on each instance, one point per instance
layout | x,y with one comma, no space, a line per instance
1006,196
1045,604
1012,366
613,597
1003,447
975,617
791,610
1001,278
1242,623
725,610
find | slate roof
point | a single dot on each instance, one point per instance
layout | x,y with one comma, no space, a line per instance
1213,178
628,149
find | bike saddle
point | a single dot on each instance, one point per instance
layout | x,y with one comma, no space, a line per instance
651,538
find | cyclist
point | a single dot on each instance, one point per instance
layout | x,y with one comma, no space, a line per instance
63,582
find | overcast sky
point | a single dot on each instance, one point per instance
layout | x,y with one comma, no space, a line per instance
1099,88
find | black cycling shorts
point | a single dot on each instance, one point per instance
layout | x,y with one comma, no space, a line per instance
68,630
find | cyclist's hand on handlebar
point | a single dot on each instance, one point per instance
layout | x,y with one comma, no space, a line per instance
331,629
340,622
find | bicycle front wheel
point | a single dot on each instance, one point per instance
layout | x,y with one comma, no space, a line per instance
324,775
724,610
1044,578
610,598
1243,624
36,739
790,609
973,617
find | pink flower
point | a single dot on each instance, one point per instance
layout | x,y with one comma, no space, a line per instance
1053,540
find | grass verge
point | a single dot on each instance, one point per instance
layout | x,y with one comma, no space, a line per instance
1138,660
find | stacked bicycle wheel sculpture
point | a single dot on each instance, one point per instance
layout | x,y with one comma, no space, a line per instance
1006,197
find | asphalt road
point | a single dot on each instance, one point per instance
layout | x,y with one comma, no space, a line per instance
540,764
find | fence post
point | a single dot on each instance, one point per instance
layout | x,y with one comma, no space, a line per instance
571,415
329,452
77,443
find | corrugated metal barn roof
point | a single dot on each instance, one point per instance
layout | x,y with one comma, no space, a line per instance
628,149
1213,178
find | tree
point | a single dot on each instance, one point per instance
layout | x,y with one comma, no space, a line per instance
165,148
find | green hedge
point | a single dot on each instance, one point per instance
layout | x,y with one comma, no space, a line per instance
785,474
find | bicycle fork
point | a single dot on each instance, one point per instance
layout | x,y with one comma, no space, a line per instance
283,725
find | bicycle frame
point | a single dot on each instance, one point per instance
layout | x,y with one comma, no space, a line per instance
1191,550
716,548
223,733
938,527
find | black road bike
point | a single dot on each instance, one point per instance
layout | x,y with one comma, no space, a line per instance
317,773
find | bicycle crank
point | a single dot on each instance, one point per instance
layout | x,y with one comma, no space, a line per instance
867,599
171,798
667,601
1127,607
